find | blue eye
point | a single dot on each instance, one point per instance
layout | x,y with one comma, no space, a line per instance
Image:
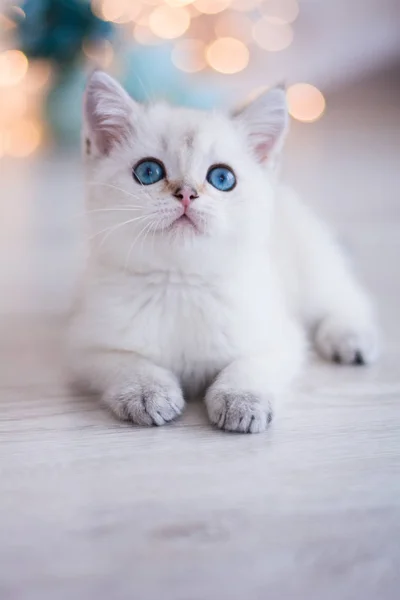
222,178
148,171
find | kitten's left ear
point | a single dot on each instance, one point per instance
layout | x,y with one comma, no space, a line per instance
108,113
266,120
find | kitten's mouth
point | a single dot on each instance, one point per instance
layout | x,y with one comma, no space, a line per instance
183,221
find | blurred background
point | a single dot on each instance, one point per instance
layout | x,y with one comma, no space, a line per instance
196,52
340,62
339,59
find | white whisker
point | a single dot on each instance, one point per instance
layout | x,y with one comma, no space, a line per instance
116,209
113,228
145,234
155,228
114,187
134,242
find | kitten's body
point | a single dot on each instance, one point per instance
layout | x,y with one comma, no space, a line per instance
221,307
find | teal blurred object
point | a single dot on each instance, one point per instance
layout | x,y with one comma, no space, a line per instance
64,106
149,74
55,29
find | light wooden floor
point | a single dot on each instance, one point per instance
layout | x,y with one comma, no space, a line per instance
91,508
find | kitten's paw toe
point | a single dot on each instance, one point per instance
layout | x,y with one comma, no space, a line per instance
344,343
239,411
146,403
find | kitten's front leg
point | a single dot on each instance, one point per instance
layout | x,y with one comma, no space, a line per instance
242,396
235,409
132,387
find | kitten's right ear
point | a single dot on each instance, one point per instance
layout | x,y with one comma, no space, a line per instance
266,121
108,111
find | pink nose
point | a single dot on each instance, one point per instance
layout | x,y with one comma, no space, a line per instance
185,194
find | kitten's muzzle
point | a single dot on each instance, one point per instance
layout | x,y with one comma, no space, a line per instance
185,194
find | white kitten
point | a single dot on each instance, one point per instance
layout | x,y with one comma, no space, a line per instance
203,273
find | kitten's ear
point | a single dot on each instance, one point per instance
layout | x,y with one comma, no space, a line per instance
107,110
266,121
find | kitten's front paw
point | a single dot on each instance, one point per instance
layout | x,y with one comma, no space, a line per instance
340,341
146,401
236,410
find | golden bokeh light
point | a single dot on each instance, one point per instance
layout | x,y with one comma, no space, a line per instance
135,10
232,24
305,102
3,142
13,67
227,55
116,11
211,7
169,23
188,55
39,75
286,11
193,11
23,138
143,20
13,105
95,6
272,35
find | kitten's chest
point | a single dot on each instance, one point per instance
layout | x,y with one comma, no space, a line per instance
183,318
185,325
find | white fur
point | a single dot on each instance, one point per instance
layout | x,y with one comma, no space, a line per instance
219,308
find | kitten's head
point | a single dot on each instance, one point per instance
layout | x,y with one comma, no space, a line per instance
175,177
